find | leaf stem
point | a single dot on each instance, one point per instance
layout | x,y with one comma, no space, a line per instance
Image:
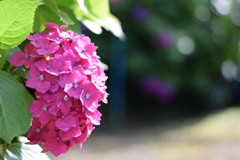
24,73
13,71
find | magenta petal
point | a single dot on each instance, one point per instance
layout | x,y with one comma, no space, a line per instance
49,97
18,59
65,108
75,131
74,92
34,37
34,72
51,136
51,125
94,117
62,27
80,139
86,39
35,109
53,47
72,132
68,86
29,48
30,61
65,135
32,83
43,86
53,110
90,48
42,43
89,96
42,51
51,26
57,148
41,65
66,123
63,79
54,87
45,117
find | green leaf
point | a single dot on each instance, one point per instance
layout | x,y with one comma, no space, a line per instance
22,151
65,18
14,101
39,21
49,15
76,26
3,57
91,22
53,6
98,8
92,26
16,20
67,3
112,24
96,14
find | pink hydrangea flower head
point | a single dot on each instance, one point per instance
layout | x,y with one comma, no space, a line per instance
65,71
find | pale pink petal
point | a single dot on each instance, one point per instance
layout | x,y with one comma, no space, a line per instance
89,96
90,48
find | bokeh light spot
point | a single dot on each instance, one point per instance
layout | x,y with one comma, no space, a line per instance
227,69
202,13
222,6
185,45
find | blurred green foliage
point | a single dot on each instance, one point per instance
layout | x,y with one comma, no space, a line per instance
191,46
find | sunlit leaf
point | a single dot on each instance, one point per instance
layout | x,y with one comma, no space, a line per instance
99,8
112,24
16,21
96,14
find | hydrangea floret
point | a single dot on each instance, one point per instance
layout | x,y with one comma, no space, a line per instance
65,71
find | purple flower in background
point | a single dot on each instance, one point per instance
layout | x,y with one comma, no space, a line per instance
84,29
164,39
157,89
140,12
